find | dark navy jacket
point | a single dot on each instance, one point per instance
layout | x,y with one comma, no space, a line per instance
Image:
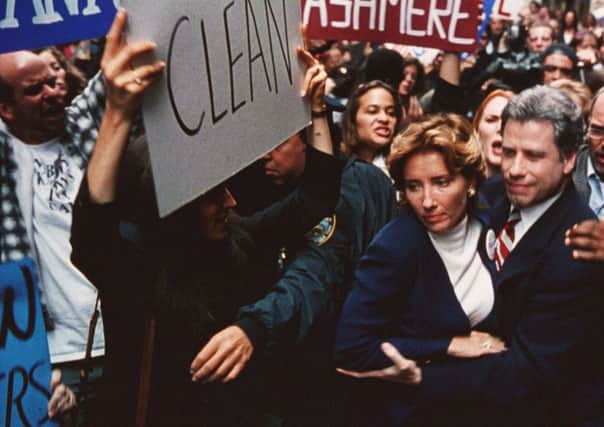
550,315
403,295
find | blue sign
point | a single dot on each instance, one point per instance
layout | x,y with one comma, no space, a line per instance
24,359
28,24
487,7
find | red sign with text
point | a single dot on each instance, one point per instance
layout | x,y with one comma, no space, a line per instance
443,24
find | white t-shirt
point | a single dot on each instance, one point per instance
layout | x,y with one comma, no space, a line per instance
49,183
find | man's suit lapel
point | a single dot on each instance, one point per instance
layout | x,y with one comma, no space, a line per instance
527,253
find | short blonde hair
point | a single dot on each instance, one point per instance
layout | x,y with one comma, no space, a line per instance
578,92
448,134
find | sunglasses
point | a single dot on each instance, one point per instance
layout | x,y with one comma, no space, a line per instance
552,68
595,132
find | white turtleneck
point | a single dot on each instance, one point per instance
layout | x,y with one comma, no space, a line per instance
470,278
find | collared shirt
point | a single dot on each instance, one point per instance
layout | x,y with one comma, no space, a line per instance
530,215
596,198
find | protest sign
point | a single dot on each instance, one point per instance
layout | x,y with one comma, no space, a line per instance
487,8
442,24
28,24
597,8
508,9
24,359
230,91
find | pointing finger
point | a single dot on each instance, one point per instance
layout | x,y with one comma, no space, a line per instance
114,36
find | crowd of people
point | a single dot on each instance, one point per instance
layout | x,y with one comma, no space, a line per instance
429,251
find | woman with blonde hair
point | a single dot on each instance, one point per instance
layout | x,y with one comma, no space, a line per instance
487,127
425,284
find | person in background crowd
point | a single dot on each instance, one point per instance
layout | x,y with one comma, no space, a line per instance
559,61
590,24
487,128
534,9
587,238
372,118
540,36
543,16
404,74
433,71
494,31
516,69
411,86
587,40
589,173
386,65
69,77
568,27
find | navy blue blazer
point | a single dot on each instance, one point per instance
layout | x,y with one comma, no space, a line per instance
403,295
550,313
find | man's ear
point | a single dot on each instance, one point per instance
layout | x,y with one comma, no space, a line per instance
569,163
7,112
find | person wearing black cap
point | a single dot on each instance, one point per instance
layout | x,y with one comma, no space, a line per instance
386,65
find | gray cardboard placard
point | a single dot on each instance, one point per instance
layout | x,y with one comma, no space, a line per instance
230,91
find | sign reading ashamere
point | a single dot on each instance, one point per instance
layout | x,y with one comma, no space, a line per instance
443,24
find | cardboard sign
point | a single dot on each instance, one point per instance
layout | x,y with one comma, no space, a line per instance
442,24
28,24
230,91
24,358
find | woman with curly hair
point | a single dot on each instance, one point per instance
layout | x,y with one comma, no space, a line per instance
425,284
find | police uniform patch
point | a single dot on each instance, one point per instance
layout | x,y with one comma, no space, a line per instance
322,232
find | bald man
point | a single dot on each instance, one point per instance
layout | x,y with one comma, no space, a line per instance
44,148
587,238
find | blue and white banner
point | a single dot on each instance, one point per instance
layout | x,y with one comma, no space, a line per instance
28,24
24,358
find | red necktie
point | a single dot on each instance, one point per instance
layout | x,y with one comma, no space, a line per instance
505,240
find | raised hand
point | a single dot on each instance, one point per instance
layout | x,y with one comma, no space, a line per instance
125,82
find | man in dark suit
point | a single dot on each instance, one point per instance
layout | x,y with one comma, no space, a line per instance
549,305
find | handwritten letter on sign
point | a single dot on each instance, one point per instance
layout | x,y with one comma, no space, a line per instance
442,24
28,24
230,91
24,359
